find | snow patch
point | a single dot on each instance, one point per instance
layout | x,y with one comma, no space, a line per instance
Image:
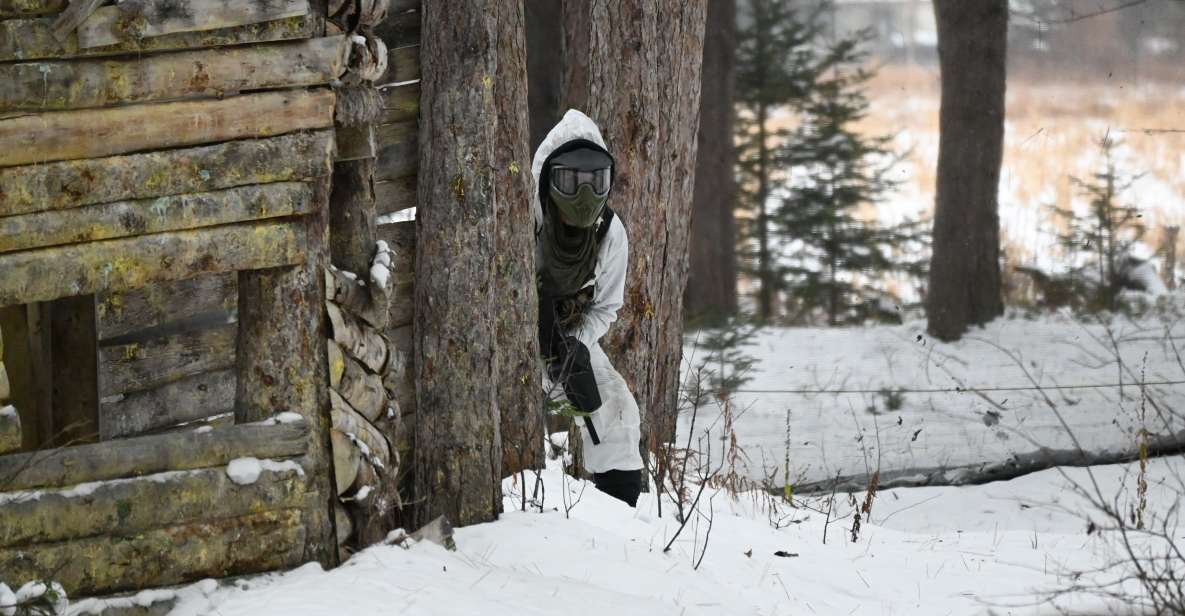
407,215
7,601
246,471
287,417
362,493
8,411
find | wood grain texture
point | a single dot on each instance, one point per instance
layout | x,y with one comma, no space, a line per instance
401,103
74,362
362,389
168,304
348,420
172,555
185,400
33,39
57,85
77,12
403,64
358,339
125,507
346,460
68,135
127,263
158,360
142,455
395,195
10,430
147,216
74,183
28,8
138,19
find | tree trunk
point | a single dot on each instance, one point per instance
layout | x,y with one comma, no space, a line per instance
458,454
520,398
965,285
640,82
712,280
545,65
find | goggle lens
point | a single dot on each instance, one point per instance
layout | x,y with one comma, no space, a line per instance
567,180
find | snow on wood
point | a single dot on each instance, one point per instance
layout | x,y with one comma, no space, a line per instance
132,262
68,184
346,460
175,213
128,506
73,84
135,19
10,428
351,423
155,453
33,38
67,135
258,541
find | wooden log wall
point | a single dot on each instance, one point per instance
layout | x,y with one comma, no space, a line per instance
157,160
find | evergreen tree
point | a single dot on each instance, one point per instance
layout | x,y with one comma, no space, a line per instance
832,263
1099,241
776,68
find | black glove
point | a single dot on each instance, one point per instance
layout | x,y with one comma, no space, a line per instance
568,360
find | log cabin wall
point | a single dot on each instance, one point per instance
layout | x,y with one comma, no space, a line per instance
164,186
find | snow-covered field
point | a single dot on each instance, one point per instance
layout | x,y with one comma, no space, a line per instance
1001,548
958,407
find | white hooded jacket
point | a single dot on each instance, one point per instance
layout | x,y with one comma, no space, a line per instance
617,421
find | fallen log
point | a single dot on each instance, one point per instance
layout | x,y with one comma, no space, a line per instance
155,453
74,183
75,84
183,553
66,135
127,263
125,507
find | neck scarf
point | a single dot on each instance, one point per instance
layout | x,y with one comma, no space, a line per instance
569,254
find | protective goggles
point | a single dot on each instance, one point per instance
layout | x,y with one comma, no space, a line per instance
568,180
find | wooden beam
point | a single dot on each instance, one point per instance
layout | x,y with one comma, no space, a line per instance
185,400
74,358
74,183
115,265
401,103
184,553
400,28
68,20
150,363
125,507
30,8
356,143
347,420
66,135
74,84
400,377
347,458
141,455
33,39
397,158
136,19
403,64
396,195
175,304
147,216
358,339
363,389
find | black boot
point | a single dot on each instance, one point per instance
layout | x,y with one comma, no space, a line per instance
625,486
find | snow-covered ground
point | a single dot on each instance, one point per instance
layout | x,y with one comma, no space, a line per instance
1001,548
959,406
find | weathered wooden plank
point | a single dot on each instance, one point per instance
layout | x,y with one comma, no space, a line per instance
400,377
43,86
349,421
66,135
14,321
156,361
185,400
400,29
10,429
125,507
75,183
146,216
127,263
30,8
396,195
74,359
136,19
32,39
403,64
5,385
397,159
400,103
362,389
175,303
156,453
357,338
69,19
347,457
401,238
214,548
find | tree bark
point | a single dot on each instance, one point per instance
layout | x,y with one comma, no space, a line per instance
965,281
458,454
640,82
520,398
712,279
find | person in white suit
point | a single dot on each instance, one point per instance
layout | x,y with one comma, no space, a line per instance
582,253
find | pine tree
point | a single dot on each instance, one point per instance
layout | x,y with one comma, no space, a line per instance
1099,241
775,69
833,263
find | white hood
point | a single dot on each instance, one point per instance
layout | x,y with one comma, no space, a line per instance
574,125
